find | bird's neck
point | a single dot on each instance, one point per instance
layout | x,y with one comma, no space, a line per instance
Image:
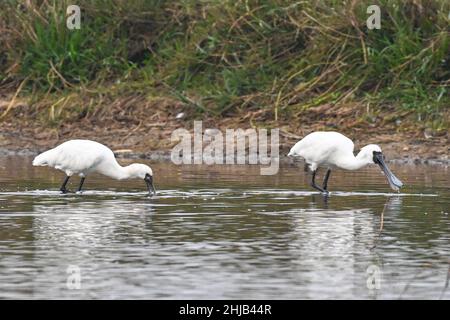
353,163
116,171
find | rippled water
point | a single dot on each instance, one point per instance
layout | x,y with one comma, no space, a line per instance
224,232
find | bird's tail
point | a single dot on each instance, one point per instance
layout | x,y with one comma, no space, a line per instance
42,159
292,154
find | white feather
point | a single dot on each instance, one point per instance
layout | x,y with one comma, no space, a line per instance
84,156
332,149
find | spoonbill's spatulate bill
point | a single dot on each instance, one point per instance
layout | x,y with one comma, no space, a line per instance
332,149
85,156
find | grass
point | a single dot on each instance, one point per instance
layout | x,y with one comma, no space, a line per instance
227,57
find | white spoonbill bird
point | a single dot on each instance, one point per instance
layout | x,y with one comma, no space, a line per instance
85,156
332,149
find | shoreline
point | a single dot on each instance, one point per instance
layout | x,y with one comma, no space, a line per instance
120,127
164,156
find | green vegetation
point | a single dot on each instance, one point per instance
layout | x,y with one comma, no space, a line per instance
226,57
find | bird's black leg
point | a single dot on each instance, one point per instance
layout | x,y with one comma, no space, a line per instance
305,167
313,182
63,187
81,183
325,180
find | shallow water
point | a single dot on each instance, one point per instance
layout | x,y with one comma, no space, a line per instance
224,232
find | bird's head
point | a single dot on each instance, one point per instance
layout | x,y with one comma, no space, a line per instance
142,171
373,154
367,152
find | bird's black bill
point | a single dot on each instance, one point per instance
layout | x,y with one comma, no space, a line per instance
151,187
394,182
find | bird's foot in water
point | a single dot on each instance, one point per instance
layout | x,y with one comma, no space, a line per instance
324,191
64,191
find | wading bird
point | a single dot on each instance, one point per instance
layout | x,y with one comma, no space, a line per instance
85,156
332,149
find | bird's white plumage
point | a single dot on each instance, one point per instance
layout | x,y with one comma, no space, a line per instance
323,148
333,149
76,157
84,156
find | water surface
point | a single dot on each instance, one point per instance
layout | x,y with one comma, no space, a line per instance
217,232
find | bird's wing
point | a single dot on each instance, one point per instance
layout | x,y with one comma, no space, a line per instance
77,157
319,146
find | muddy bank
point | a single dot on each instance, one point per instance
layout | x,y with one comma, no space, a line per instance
134,127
